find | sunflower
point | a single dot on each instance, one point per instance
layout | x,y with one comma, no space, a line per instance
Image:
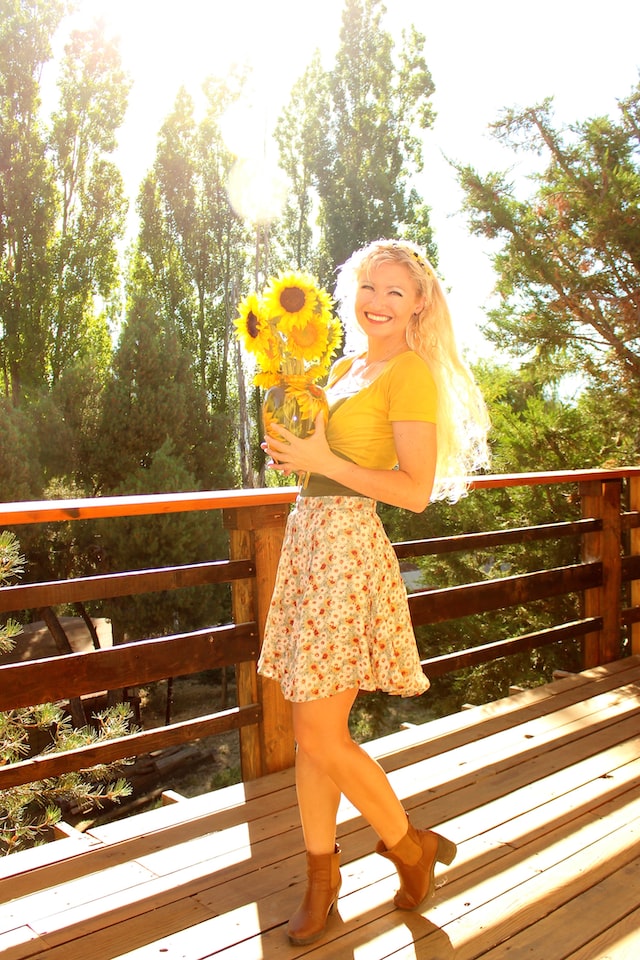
290,330
267,380
309,397
291,297
252,325
307,341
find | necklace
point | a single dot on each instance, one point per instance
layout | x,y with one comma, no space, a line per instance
368,365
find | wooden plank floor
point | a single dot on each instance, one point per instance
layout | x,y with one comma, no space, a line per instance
539,790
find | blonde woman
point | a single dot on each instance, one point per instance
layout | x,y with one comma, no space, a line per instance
406,425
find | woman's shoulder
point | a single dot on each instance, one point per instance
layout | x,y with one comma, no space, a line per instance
410,364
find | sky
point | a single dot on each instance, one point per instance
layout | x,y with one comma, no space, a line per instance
483,57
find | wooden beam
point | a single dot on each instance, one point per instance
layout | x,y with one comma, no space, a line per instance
268,525
634,548
488,652
243,607
493,538
79,590
122,748
125,665
603,500
450,603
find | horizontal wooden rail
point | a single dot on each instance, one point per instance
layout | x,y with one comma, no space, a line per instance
48,511
494,538
630,568
630,520
133,745
451,603
80,589
488,652
128,664
629,616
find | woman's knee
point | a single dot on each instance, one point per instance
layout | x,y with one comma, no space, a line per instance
322,726
312,739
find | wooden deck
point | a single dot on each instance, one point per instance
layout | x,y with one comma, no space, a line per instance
540,791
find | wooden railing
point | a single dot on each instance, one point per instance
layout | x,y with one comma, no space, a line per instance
255,520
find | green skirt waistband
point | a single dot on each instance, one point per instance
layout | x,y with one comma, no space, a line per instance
319,486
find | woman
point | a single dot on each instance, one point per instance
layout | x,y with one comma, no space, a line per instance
406,424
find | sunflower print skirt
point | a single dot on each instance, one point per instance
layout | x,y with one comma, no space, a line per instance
339,616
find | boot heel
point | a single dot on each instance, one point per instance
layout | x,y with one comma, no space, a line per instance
446,850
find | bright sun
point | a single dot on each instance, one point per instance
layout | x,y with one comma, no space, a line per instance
166,45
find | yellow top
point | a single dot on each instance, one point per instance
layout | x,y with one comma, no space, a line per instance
360,425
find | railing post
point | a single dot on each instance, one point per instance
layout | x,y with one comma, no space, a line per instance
602,499
257,533
634,545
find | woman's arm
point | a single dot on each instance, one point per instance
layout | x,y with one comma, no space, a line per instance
409,486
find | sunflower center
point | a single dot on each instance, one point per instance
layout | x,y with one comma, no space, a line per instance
292,299
252,324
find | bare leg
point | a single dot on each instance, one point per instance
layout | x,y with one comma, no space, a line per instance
329,763
318,799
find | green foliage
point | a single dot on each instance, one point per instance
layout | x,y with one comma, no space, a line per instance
63,200
378,106
91,219
20,477
300,135
11,565
351,139
27,218
190,265
569,254
153,395
29,812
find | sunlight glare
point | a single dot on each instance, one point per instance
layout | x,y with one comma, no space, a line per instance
257,189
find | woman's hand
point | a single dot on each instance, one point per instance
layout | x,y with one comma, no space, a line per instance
289,454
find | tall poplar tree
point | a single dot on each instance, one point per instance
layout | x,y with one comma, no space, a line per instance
62,204
92,205
379,105
27,195
303,148
198,250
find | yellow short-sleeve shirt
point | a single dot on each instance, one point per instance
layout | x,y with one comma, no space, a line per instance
360,426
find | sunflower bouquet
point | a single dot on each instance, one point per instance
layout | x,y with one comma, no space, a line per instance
292,333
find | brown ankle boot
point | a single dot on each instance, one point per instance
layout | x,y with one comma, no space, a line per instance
415,859
323,885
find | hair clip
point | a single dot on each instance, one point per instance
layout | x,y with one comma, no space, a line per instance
414,253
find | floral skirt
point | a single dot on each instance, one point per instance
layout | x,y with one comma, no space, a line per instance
339,617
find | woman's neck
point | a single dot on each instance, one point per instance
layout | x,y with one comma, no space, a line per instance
377,354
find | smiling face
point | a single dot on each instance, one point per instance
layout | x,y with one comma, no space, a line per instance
386,300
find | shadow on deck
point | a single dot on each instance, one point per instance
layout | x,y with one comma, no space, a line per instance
539,790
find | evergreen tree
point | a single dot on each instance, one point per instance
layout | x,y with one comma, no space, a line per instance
153,397
129,543
569,257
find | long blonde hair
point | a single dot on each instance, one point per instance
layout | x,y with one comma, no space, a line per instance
463,421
